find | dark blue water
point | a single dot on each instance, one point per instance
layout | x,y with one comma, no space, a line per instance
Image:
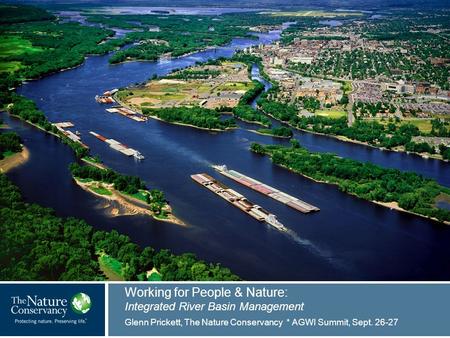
349,239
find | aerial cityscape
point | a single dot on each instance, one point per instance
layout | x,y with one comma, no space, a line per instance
322,133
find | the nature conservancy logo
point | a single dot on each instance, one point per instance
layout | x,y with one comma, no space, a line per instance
36,305
81,303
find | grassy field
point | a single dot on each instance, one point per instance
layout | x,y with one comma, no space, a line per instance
111,267
11,45
334,114
423,125
174,92
14,45
141,195
101,191
347,87
317,13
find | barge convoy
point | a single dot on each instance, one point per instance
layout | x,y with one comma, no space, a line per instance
267,190
116,145
238,200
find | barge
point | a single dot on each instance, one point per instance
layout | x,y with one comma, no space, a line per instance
267,190
106,98
73,136
127,113
116,145
238,200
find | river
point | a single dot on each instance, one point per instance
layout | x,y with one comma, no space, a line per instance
349,239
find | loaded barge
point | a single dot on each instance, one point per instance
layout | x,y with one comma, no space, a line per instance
267,190
106,98
127,113
116,145
238,200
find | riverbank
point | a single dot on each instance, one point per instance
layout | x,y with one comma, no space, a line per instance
349,140
190,125
14,160
267,134
391,205
130,205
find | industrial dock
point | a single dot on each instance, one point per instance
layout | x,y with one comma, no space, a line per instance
116,145
267,190
238,200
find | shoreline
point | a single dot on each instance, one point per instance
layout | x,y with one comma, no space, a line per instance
250,122
14,161
270,135
131,205
121,103
391,205
348,140
188,125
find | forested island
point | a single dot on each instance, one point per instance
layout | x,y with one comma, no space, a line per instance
37,245
401,190
282,132
197,117
127,190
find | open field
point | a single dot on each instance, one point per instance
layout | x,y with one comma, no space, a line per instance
317,13
208,86
334,114
11,45
14,45
111,267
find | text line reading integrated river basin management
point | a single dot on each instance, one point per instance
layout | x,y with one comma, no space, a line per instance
224,300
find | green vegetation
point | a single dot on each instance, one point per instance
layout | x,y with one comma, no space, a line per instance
412,192
27,110
245,112
37,245
385,135
180,34
331,113
195,116
129,185
248,114
277,132
10,14
10,143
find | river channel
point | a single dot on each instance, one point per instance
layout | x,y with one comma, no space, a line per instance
349,239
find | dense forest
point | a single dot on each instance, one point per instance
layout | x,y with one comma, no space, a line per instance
37,245
277,131
368,181
10,142
195,116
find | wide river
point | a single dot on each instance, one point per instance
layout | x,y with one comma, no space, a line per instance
349,239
